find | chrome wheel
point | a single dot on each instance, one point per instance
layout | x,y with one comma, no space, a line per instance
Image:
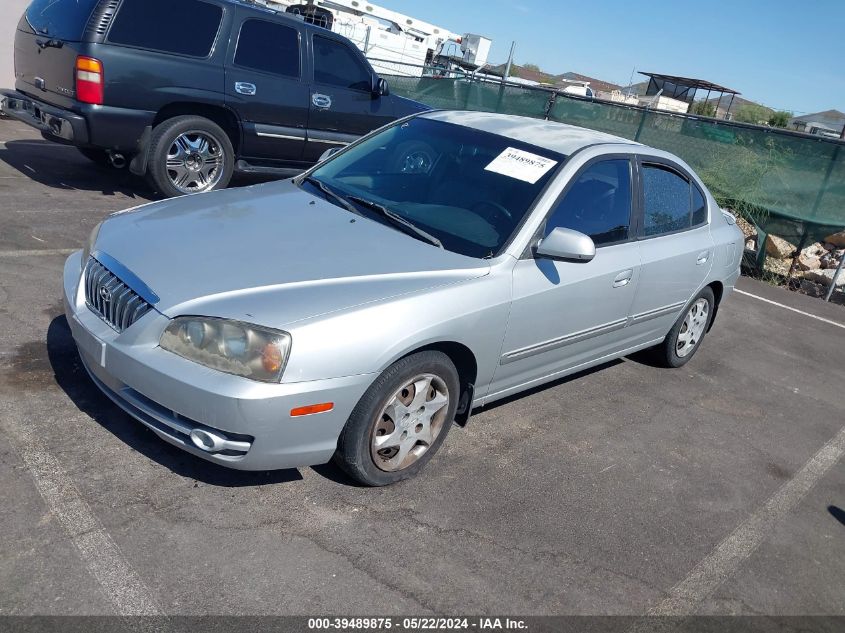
692,328
195,162
409,423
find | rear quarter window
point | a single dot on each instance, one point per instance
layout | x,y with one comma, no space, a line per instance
182,27
60,19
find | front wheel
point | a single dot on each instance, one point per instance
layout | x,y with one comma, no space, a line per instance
190,154
400,421
686,335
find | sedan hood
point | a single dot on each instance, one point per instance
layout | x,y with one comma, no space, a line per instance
271,254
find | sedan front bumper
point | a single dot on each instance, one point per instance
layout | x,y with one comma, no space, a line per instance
173,396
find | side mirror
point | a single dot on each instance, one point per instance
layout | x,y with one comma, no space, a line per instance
567,244
329,153
380,87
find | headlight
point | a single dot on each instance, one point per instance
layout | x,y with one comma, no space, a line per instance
233,347
89,245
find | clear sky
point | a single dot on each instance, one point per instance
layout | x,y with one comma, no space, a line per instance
789,55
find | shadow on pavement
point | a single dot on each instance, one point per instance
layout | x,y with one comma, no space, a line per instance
837,513
71,376
62,167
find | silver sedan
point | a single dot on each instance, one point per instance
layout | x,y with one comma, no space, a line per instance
357,311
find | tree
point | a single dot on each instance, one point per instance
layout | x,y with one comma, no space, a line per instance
533,67
753,113
704,108
780,119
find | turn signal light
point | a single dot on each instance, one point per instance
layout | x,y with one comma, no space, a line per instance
89,80
311,409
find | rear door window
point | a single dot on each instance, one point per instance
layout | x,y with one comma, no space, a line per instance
60,19
268,47
186,27
667,201
335,64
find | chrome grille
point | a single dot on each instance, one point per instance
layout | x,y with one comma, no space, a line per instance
113,300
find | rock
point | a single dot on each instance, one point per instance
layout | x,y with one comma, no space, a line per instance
746,227
751,244
812,289
814,250
778,247
837,239
828,246
825,277
809,262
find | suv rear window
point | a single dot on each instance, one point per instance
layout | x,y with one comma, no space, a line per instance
186,27
60,19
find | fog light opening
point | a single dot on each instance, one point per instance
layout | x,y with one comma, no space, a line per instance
208,442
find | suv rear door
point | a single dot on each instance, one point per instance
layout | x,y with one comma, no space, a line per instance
342,106
47,42
264,85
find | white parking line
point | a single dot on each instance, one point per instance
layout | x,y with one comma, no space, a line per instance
685,597
39,253
785,307
100,554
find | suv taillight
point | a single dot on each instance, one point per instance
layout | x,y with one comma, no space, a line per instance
89,80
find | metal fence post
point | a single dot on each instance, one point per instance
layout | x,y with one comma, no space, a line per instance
640,128
835,277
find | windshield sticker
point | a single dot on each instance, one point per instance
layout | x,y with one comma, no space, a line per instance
521,165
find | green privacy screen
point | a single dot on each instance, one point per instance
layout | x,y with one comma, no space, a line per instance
790,185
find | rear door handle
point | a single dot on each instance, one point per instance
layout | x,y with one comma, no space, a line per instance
623,278
244,88
703,257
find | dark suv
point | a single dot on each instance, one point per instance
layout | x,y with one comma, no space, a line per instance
188,91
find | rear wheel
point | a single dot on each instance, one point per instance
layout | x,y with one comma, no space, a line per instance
401,421
190,154
686,335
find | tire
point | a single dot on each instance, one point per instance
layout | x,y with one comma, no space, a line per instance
677,349
418,434
97,156
189,154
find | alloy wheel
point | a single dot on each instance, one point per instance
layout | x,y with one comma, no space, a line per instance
195,162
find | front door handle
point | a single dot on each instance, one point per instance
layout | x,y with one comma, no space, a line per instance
702,258
244,88
623,278
323,102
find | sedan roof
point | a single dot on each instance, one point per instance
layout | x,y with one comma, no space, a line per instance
556,137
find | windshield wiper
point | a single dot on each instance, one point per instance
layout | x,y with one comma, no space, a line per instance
343,202
397,220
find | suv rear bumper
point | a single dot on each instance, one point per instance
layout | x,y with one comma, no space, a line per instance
105,127
49,120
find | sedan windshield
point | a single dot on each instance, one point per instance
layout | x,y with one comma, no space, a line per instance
461,188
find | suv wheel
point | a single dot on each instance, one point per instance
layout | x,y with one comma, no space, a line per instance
189,154
400,421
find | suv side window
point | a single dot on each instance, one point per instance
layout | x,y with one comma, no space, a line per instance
667,201
268,47
187,27
598,204
336,65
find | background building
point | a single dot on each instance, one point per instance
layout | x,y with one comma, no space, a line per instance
828,123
